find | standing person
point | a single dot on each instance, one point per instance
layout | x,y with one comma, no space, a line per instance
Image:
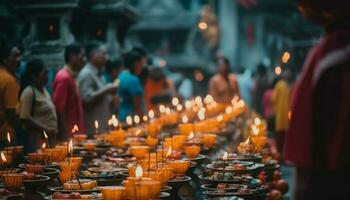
36,110
260,86
144,74
131,90
10,56
158,89
96,94
113,68
223,86
66,95
318,141
281,104
245,83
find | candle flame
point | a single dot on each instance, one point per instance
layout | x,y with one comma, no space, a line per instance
96,124
188,104
255,130
219,118
168,153
75,128
70,146
161,108
3,157
8,137
145,118
151,114
138,132
44,145
198,100
201,114
247,141
175,101
184,119
208,99
179,107
167,110
45,135
138,171
257,121
115,122
241,103
136,119
224,157
228,110
190,136
110,122
129,120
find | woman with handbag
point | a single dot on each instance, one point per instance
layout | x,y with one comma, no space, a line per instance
37,112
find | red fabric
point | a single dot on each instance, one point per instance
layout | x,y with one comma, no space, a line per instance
67,100
298,147
267,104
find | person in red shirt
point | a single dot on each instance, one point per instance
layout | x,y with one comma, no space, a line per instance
318,140
66,96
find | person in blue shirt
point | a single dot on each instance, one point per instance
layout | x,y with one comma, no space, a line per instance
131,90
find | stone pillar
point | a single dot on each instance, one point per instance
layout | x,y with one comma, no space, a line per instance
228,21
112,44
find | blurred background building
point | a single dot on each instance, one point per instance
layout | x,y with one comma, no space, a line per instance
183,36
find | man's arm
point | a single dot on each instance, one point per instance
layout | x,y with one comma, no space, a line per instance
88,94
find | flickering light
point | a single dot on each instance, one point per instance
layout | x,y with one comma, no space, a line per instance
129,120
286,56
175,101
202,25
184,119
151,114
278,70
179,107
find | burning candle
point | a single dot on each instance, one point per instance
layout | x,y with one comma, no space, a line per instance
9,138
145,118
175,101
136,119
224,158
161,108
115,122
70,148
201,114
179,108
151,114
190,136
129,120
168,153
138,172
4,160
46,138
185,128
96,127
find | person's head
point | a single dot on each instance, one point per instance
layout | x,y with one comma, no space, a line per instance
10,55
261,70
157,74
133,62
287,74
113,68
223,66
96,54
325,12
74,55
36,73
143,53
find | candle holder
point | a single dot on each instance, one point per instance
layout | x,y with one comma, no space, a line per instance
113,192
13,180
192,151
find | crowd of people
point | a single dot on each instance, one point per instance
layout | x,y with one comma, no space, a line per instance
86,92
